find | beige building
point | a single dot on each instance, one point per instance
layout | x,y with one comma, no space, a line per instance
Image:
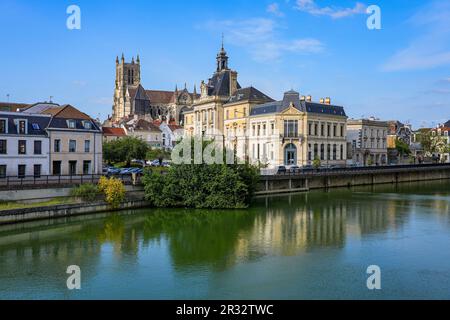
236,119
75,142
144,130
295,131
367,139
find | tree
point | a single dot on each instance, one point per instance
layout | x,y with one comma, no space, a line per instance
124,150
316,162
402,148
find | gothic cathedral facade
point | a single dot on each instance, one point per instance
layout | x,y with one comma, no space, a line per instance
131,100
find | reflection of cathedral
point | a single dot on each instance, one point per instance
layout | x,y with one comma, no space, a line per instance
131,99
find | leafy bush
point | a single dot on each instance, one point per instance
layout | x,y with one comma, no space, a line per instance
86,192
317,163
214,186
113,189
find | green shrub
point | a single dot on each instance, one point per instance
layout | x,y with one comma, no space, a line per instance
86,192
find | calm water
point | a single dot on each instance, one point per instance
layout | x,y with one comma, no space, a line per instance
306,246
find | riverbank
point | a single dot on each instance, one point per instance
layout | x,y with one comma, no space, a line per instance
268,185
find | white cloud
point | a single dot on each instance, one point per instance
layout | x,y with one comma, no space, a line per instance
431,48
261,38
274,9
311,7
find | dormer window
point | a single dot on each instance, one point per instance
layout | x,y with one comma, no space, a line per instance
36,126
21,126
3,126
71,124
87,125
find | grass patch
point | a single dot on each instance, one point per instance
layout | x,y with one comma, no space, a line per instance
5,205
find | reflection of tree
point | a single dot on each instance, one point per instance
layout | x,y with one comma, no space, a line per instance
199,237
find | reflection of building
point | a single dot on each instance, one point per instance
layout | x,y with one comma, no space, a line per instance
368,140
131,99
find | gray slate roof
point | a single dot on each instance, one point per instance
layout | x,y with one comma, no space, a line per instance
219,84
250,94
41,121
303,106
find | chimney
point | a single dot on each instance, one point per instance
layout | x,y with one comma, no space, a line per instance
322,100
302,98
309,98
327,100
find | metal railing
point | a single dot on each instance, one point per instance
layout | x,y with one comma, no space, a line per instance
16,182
361,170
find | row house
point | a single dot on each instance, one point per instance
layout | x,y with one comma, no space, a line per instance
24,144
367,140
49,139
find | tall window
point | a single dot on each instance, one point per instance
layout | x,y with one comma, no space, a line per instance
342,130
57,145
86,167
21,170
38,147
37,170
22,147
3,144
329,152
87,146
291,128
322,130
2,126
56,168
342,152
72,168
2,171
334,152
72,146
310,129
309,152
322,152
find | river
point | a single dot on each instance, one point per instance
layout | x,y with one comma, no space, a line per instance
315,245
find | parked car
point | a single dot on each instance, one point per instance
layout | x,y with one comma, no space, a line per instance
139,162
294,169
113,171
281,170
307,168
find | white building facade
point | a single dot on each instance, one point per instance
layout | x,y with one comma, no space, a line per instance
24,145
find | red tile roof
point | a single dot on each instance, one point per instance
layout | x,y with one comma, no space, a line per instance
114,132
12,107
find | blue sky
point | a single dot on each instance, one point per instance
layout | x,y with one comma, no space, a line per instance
316,47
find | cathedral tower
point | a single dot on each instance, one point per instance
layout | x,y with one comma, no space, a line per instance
128,75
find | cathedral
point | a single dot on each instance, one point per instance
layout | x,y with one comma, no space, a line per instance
132,100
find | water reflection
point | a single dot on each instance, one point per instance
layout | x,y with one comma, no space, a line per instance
214,240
